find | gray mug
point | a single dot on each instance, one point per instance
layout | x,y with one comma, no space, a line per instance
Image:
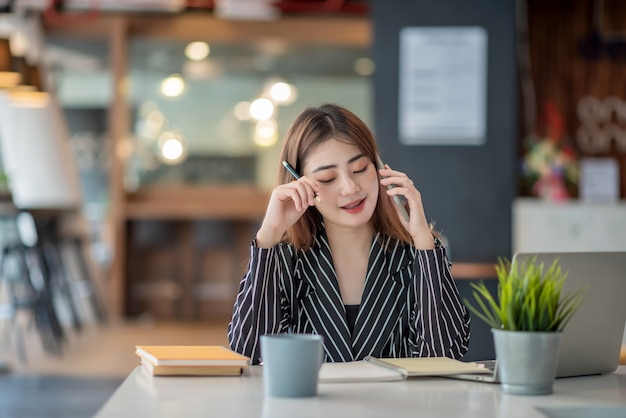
291,364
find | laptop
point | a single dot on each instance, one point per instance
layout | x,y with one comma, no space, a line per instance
592,340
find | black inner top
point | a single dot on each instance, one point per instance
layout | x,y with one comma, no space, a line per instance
351,313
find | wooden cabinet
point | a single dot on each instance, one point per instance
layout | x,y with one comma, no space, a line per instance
186,249
185,269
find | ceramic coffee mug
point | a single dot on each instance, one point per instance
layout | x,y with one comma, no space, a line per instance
291,364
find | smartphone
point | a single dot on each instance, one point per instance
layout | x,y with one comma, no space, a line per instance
400,201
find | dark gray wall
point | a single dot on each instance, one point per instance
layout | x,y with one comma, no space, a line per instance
467,190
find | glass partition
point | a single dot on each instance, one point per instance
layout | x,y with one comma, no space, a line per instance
219,116
202,113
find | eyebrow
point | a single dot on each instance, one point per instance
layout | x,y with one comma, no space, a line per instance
326,167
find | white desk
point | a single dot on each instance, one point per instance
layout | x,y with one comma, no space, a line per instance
142,395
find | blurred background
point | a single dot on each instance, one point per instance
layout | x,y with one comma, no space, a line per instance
140,139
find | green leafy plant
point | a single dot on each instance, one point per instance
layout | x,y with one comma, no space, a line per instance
528,299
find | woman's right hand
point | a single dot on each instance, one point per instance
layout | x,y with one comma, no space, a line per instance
287,204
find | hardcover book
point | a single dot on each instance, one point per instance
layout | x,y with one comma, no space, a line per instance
157,370
191,355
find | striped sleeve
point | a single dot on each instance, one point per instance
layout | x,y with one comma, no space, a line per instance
258,308
441,323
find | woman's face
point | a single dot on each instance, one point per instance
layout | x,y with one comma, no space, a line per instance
347,180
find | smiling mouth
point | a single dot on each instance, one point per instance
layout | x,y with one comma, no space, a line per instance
353,205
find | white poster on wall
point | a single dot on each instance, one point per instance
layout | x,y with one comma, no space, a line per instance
443,85
599,180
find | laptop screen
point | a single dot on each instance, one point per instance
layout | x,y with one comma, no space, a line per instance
592,340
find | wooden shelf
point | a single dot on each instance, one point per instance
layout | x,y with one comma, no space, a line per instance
235,202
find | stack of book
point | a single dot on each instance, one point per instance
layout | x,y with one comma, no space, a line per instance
191,360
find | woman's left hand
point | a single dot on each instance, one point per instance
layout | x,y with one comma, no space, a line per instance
417,225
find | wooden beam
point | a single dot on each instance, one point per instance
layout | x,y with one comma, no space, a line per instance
311,30
81,26
330,30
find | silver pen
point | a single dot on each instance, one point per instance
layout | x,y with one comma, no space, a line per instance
296,175
291,170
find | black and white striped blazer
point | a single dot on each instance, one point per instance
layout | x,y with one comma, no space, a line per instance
410,305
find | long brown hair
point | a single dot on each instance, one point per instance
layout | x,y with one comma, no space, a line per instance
312,127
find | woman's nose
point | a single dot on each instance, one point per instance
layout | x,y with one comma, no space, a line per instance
348,185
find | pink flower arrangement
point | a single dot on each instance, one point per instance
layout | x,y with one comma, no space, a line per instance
550,164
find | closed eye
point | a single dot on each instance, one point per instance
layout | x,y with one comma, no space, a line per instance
327,181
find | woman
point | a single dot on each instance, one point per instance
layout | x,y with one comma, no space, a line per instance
334,257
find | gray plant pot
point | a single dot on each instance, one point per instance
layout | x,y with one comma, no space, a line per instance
526,361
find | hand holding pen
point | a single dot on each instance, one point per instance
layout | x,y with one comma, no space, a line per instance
287,204
297,176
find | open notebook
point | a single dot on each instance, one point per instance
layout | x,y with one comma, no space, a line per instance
592,340
373,369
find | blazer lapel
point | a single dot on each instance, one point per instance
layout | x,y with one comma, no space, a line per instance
323,304
384,296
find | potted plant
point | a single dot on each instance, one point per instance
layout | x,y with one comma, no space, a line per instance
526,320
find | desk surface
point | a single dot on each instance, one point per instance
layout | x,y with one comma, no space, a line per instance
144,395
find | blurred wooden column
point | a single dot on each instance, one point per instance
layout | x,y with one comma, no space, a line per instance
6,62
9,77
119,137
